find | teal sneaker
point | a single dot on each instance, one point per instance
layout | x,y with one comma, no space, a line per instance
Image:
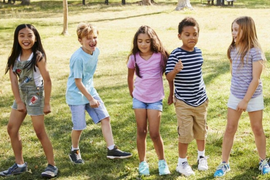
264,167
222,169
144,168
14,170
163,168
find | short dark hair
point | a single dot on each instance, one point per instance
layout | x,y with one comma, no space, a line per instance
188,21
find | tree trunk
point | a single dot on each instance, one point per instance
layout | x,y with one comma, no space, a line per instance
146,2
182,4
65,17
25,2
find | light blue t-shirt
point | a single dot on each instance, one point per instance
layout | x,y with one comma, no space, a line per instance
82,66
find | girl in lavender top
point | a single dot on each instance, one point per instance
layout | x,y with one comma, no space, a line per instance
246,59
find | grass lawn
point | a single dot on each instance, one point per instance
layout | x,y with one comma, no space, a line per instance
117,25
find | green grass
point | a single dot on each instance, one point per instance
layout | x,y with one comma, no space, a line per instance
117,25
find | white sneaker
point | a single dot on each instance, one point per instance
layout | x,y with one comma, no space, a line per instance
185,169
202,163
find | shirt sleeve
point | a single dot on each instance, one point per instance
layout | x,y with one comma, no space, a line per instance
256,55
131,62
78,68
171,63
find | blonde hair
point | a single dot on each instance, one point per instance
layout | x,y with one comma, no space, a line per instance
247,38
84,29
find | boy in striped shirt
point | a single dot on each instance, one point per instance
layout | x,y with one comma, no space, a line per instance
184,68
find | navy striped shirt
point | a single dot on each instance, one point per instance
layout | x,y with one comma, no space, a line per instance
189,86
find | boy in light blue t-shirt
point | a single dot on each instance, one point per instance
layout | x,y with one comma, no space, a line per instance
81,95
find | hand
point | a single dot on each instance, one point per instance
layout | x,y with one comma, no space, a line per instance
94,103
47,109
170,100
178,66
21,107
242,106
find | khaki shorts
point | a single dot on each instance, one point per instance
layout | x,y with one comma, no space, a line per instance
191,121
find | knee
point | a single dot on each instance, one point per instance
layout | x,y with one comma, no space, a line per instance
11,130
230,130
141,132
154,135
105,121
257,130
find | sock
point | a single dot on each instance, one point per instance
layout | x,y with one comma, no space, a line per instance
201,153
181,160
111,147
21,165
72,148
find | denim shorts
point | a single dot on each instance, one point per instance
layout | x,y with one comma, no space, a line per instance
33,100
137,104
78,114
254,104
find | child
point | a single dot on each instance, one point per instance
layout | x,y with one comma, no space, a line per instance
148,59
28,62
246,59
184,67
81,95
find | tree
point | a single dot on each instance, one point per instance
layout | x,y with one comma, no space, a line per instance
25,2
182,4
65,17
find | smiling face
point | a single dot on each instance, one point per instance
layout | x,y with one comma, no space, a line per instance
26,38
235,32
189,37
144,43
89,42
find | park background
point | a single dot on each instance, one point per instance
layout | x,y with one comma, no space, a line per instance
117,25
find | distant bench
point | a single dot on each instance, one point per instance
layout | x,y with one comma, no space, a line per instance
221,2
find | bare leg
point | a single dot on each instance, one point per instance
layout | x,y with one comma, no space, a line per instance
182,150
75,138
107,131
154,124
141,119
39,127
232,125
257,128
15,120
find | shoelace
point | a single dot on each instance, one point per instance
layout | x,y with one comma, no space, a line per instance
203,161
223,167
162,164
13,168
186,166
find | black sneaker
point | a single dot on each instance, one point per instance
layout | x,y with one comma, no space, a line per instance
116,153
14,170
75,157
50,171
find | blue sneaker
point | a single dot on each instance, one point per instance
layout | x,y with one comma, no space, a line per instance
222,169
144,168
163,168
264,167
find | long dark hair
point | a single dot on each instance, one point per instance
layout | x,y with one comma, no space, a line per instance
156,46
37,48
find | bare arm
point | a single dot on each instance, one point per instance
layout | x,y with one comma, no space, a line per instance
47,85
130,80
257,70
15,90
170,98
177,68
93,103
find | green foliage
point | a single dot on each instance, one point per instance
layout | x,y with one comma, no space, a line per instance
117,25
